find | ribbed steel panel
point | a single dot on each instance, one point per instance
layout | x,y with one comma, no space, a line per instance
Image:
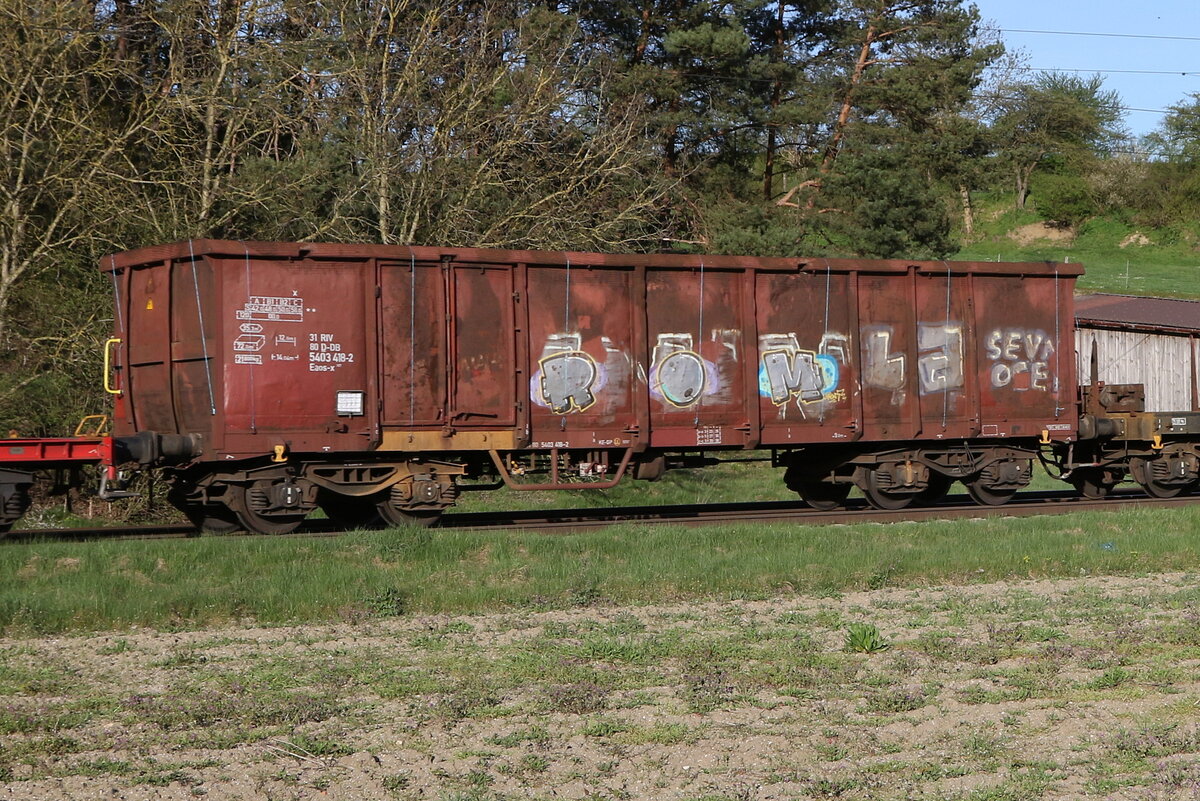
333,348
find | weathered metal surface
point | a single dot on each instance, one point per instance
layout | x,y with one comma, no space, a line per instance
696,373
56,451
1026,373
254,345
807,365
1128,312
582,367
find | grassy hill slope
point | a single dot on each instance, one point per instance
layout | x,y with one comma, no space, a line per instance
1118,256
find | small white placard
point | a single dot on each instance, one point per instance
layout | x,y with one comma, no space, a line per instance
350,403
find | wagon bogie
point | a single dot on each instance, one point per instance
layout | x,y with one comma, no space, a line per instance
892,485
999,481
14,497
1173,471
1159,451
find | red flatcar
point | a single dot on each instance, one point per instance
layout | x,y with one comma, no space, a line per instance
271,378
21,459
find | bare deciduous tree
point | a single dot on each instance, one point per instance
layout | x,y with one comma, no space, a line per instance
59,135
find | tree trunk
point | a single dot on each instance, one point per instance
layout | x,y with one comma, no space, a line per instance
843,118
968,211
773,127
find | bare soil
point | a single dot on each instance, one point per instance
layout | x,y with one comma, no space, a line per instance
1040,232
1024,689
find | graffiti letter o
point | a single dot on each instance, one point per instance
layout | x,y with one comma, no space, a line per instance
1001,375
681,378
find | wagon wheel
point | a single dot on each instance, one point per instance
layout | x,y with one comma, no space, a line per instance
349,511
216,519
1092,482
237,498
1156,489
882,497
939,485
14,501
986,495
406,517
818,494
1143,474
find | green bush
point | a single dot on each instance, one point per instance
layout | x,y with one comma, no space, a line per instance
1062,199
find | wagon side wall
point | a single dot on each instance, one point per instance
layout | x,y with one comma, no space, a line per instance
349,348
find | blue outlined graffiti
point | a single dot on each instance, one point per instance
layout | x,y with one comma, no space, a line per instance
788,371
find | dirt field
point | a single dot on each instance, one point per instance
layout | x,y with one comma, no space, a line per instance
1034,689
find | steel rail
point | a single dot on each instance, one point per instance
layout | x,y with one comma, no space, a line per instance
954,507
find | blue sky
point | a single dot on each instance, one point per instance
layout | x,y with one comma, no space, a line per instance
1161,18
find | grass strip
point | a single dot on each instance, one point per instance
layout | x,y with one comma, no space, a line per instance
53,587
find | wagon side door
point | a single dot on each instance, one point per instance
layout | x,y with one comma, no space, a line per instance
413,342
807,357
696,375
582,358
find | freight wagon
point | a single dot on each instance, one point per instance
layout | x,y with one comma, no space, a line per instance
273,378
1154,342
22,459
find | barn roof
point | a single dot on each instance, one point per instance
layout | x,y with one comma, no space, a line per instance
1171,315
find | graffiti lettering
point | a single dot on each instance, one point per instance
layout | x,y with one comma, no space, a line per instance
679,375
1020,358
681,378
567,376
882,369
567,380
789,372
836,345
940,358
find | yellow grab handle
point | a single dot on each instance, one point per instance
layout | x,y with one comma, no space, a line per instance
108,387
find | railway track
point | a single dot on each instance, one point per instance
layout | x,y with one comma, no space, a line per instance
574,520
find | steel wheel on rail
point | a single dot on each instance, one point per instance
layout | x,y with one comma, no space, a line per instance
416,503
256,514
879,494
1092,482
987,495
216,519
1157,489
997,483
1164,476
939,485
395,516
815,488
349,511
819,494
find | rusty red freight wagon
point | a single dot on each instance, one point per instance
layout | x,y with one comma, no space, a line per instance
368,379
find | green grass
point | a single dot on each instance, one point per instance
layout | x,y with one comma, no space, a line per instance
1169,266
51,587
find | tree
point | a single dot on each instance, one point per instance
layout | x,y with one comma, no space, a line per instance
486,126
1178,135
901,74
1069,117
61,134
